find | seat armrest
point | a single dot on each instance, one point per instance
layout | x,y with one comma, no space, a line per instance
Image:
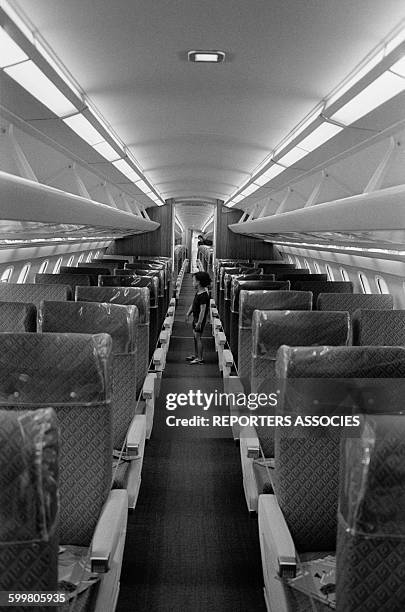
273,525
148,389
158,357
163,337
112,521
214,312
228,358
221,339
167,323
136,435
250,441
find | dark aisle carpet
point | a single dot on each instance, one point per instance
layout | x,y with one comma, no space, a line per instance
191,544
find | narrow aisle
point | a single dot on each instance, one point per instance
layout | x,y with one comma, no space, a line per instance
191,544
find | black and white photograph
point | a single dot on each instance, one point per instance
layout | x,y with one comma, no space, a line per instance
202,305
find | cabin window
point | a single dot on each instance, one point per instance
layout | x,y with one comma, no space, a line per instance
297,261
317,268
329,273
6,275
43,267
344,274
307,266
381,285
365,285
57,266
24,273
70,260
80,258
97,255
89,256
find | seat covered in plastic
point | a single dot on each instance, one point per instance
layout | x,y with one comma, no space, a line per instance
351,302
237,286
120,323
379,327
272,329
120,263
302,515
71,373
163,295
18,317
319,286
34,294
249,301
98,265
29,447
73,280
370,556
255,275
135,296
91,272
301,274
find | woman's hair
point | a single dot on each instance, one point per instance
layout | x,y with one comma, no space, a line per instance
203,278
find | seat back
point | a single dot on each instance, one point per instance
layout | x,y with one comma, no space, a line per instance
248,285
91,272
351,302
17,317
325,381
72,280
128,296
29,449
319,286
71,373
96,265
300,275
379,327
119,263
31,293
120,323
249,301
272,329
371,518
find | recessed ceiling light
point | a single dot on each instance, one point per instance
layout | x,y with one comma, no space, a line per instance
214,57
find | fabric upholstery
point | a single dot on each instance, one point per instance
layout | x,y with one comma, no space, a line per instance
136,296
70,372
120,322
90,273
351,302
272,329
371,532
300,275
319,286
28,500
237,285
379,327
249,301
31,293
306,482
17,317
72,280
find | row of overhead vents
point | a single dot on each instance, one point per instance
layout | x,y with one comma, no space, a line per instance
378,79
28,62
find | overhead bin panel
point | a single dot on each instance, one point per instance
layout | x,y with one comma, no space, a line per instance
379,210
28,201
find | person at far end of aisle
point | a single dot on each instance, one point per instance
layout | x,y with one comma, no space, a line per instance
199,310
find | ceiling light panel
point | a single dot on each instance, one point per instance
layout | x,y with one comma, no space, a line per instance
292,156
84,129
379,91
10,52
126,169
29,76
106,151
214,57
318,137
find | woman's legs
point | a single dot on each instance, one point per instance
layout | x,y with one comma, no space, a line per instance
198,345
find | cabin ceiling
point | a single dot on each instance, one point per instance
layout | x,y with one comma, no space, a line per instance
198,131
